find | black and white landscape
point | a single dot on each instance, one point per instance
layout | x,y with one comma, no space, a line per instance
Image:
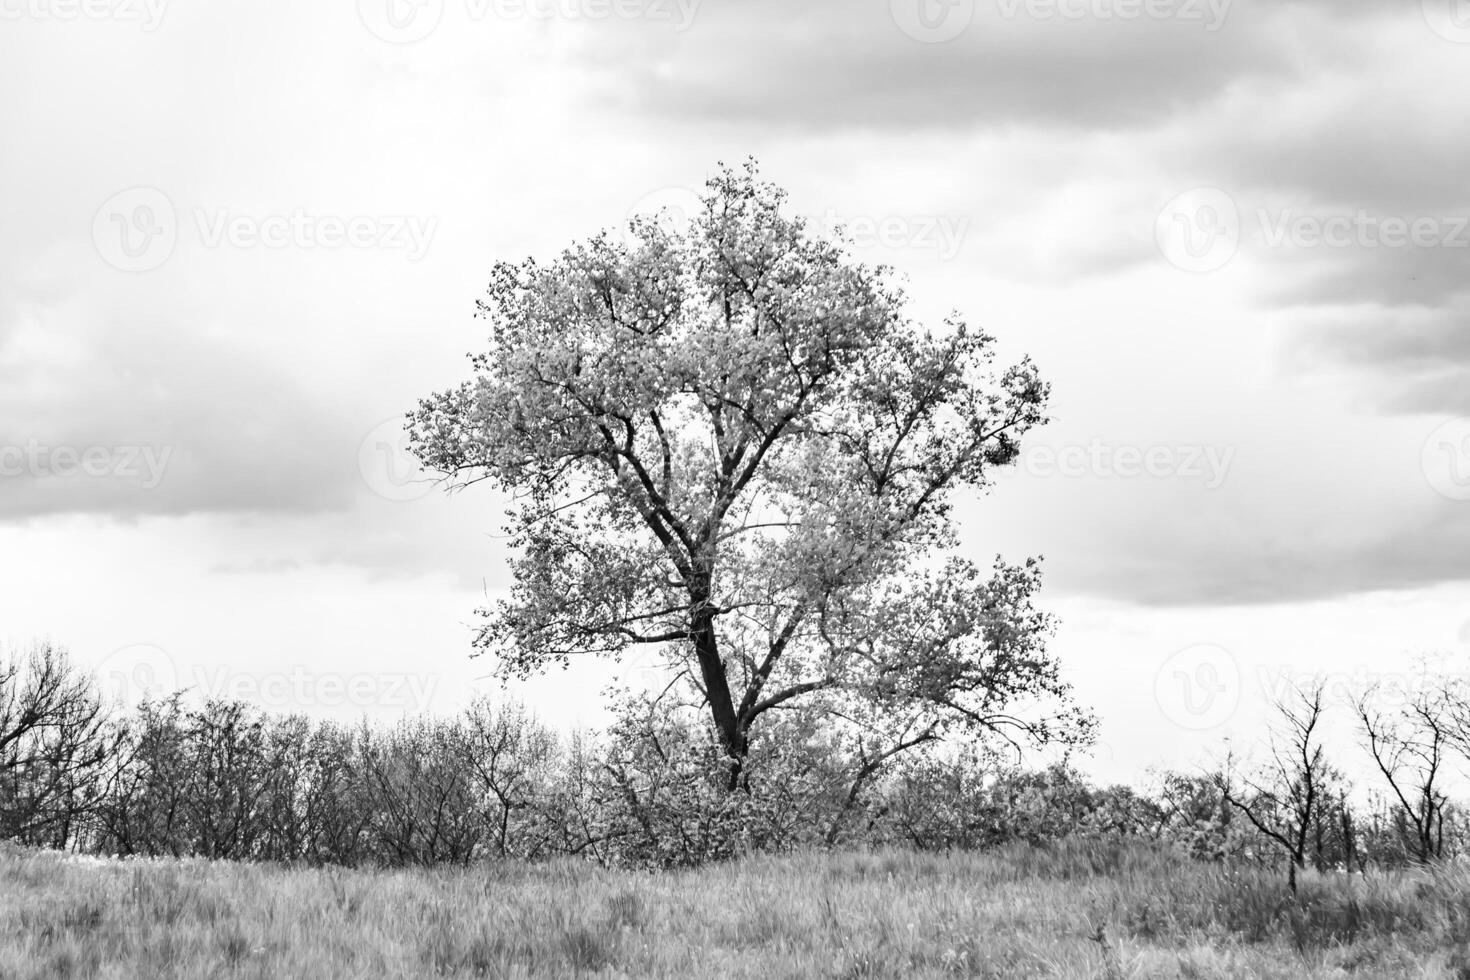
930,477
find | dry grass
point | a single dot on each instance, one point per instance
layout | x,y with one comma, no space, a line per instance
1077,911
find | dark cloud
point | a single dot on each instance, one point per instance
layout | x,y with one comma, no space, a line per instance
1076,64
834,64
1355,214
1171,564
121,416
1424,339
1410,359
1348,138
1300,503
1407,276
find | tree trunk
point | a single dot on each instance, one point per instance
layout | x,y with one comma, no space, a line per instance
1349,839
717,691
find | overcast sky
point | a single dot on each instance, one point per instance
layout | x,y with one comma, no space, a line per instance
239,239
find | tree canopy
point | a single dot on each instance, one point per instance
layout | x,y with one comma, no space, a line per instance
728,443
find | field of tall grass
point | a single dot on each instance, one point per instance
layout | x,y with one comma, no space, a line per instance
1078,909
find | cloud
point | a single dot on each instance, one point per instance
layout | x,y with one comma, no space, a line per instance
832,64
1054,140
109,411
1354,221
1409,359
1341,173
257,566
1309,498
1243,570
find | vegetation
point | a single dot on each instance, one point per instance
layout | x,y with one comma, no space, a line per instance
1076,910
224,780
730,446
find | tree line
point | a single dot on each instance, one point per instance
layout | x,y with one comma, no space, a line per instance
222,779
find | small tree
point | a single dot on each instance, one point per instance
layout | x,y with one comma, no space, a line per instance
510,756
1410,747
730,445
146,810
57,747
1289,796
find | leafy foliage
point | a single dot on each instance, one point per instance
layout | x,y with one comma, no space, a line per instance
731,445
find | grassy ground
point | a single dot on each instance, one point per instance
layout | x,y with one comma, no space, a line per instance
1020,913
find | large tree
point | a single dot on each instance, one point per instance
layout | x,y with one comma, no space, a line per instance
729,444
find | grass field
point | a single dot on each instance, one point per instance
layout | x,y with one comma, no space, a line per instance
1017,913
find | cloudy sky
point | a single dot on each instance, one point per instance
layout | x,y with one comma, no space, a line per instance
239,239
